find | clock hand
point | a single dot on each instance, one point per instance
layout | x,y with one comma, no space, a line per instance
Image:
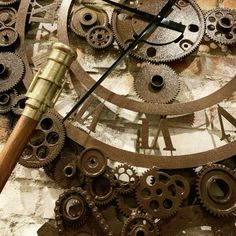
156,21
149,17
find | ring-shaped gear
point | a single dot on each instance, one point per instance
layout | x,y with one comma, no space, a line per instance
6,101
83,18
45,143
158,194
8,2
140,224
8,37
216,189
71,209
156,83
67,174
126,178
8,16
162,45
18,104
10,73
101,189
221,25
100,37
92,162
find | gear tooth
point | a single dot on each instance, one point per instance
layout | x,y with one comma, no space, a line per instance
8,2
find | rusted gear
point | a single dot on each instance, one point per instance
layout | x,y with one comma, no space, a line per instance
67,174
126,178
221,25
92,162
158,194
156,83
10,73
216,189
71,209
8,16
6,101
126,204
18,104
100,37
8,37
101,188
140,224
162,45
46,142
83,18
8,2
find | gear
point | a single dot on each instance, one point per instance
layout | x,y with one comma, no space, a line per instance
67,174
18,104
49,169
100,37
158,194
92,162
221,25
216,189
46,142
8,16
83,18
156,83
140,224
10,73
8,2
126,178
162,45
8,37
101,188
6,101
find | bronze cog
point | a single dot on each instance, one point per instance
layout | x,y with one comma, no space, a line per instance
156,83
10,73
221,25
8,16
46,142
158,194
140,224
6,101
216,189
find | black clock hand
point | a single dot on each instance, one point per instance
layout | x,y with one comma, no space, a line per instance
158,18
149,17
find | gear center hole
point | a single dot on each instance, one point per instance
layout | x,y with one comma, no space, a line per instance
140,233
4,99
226,22
157,82
74,208
69,171
88,17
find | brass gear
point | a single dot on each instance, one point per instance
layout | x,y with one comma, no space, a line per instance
221,25
46,142
8,37
8,16
156,83
6,101
216,189
10,73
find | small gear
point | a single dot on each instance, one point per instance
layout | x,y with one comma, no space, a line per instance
6,101
67,174
18,104
8,37
100,37
101,188
221,25
10,73
140,224
46,142
126,178
156,83
92,162
83,18
8,2
216,189
158,194
8,16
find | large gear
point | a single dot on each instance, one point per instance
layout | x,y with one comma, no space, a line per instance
8,37
83,18
10,73
156,83
163,45
8,16
158,194
46,142
216,189
221,25
140,224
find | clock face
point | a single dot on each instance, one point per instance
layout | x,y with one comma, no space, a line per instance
152,130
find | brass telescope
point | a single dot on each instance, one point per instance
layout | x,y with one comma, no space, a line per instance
41,95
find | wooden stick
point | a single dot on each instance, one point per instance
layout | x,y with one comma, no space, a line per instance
14,147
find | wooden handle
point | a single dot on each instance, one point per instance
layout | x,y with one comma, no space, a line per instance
14,147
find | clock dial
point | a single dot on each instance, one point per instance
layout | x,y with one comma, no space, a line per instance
166,110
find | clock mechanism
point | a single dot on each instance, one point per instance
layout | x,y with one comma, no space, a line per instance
142,139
